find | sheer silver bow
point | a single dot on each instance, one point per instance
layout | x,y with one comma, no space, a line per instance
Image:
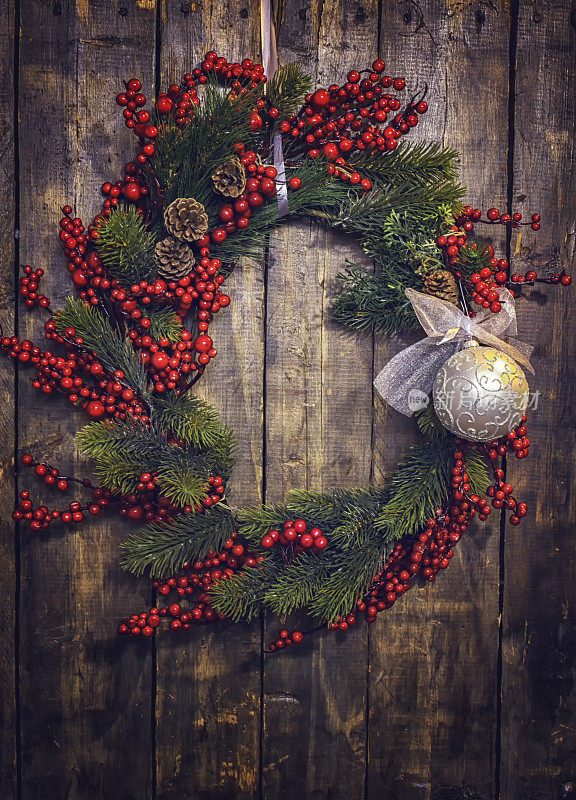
449,330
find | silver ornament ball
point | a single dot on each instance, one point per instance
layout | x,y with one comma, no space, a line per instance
480,394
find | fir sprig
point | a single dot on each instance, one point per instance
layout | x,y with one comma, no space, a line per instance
164,324
114,350
162,549
126,246
419,486
287,88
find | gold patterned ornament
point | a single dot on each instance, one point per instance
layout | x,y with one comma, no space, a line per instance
174,258
230,178
480,394
186,219
441,283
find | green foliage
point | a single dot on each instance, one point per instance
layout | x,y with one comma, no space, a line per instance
429,424
198,424
287,88
187,157
240,597
361,526
162,549
410,163
165,324
477,471
473,258
114,350
121,451
403,249
418,487
126,246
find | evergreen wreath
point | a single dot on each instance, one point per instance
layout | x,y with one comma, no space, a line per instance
204,190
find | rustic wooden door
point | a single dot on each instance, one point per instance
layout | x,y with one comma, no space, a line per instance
466,690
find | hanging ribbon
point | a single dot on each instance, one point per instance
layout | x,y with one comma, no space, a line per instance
448,331
270,64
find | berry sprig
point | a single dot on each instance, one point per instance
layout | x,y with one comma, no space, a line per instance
193,585
296,535
28,287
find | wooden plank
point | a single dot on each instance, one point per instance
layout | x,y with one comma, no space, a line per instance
539,630
208,683
433,661
86,693
8,554
318,435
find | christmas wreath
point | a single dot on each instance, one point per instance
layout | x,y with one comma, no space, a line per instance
225,158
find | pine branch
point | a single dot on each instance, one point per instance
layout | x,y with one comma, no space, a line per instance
429,424
122,451
162,549
126,246
409,163
416,489
185,159
296,586
183,476
240,597
477,471
198,424
378,303
114,351
287,88
253,523
355,572
165,324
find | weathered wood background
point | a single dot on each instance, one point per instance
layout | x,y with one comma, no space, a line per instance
466,690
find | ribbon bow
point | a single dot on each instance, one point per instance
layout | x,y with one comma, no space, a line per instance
409,377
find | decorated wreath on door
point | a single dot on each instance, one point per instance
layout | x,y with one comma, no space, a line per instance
225,158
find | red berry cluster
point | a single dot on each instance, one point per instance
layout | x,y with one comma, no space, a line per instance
260,186
138,120
501,493
531,278
341,119
516,442
193,585
146,504
484,292
74,375
41,517
28,288
298,536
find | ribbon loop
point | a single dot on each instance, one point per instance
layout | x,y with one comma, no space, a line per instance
409,376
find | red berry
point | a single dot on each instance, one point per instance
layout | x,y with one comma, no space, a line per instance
203,344
160,360
95,409
295,183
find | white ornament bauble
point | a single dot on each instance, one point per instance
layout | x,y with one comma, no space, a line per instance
480,394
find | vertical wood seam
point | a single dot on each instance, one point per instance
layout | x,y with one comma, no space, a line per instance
512,54
16,271
261,737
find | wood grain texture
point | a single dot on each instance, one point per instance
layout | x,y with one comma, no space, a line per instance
433,714
408,710
8,550
208,682
539,623
318,436
86,697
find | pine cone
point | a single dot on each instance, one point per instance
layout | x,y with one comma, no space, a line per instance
175,259
230,178
442,284
186,219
